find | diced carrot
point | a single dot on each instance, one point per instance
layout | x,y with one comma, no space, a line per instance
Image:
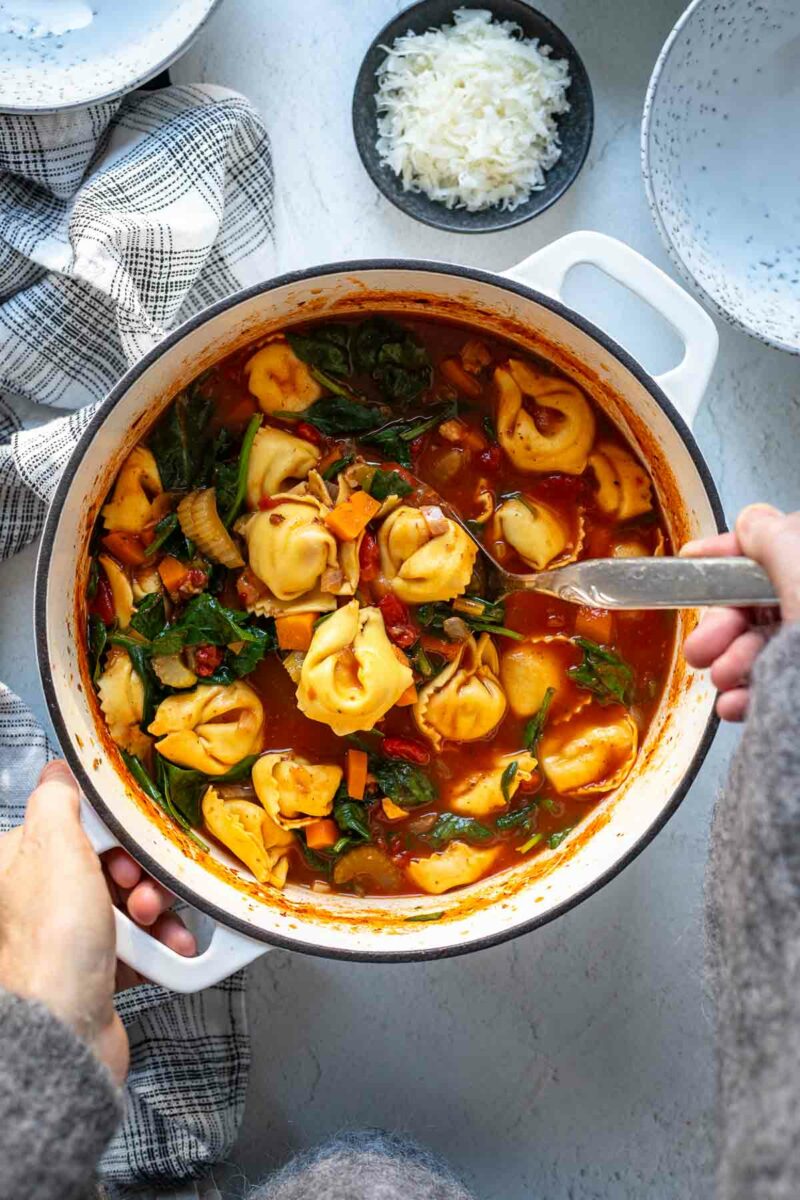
356,773
321,835
436,645
127,548
408,697
392,811
173,573
295,630
454,373
597,624
348,519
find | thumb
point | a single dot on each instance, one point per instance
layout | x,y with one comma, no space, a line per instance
772,539
55,803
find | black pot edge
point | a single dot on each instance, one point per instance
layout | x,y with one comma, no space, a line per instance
48,541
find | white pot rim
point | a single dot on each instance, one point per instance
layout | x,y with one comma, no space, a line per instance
48,543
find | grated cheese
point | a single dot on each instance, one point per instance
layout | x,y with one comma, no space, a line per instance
467,113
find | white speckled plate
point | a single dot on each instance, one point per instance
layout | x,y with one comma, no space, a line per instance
721,160
58,54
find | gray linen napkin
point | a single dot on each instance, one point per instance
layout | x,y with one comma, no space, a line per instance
117,222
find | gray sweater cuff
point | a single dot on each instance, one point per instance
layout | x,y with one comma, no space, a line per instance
58,1105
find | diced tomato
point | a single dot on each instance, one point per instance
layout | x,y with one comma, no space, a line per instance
267,502
490,458
369,557
102,603
309,432
249,588
400,629
207,658
406,748
416,445
194,583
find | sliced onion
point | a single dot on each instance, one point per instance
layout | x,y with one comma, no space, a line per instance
456,629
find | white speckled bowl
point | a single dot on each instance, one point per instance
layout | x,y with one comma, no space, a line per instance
721,160
57,54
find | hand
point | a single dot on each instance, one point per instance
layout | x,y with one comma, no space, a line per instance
148,904
729,640
57,941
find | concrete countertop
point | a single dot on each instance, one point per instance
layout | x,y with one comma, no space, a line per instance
576,1062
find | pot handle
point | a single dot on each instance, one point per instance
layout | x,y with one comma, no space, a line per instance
684,384
225,954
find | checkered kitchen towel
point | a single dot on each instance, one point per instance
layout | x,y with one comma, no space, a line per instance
117,222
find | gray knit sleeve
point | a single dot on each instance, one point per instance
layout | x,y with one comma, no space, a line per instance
58,1106
753,921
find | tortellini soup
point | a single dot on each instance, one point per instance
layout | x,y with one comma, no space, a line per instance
292,635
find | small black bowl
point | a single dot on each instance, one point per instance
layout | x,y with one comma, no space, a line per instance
575,126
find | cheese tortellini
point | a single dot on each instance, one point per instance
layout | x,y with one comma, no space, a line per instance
623,486
351,675
277,461
481,792
136,490
456,866
121,589
293,790
465,701
292,551
582,758
251,834
211,728
529,668
121,693
563,444
425,555
279,380
541,536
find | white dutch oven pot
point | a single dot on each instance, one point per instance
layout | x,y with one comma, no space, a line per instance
655,413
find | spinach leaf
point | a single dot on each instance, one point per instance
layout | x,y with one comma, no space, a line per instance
335,468
535,727
207,622
520,817
313,860
325,346
334,415
163,530
226,482
149,787
237,501
179,440
394,438
555,839
139,653
149,618
184,789
97,638
449,826
388,483
506,780
236,666
350,816
489,619
603,673
407,785
393,356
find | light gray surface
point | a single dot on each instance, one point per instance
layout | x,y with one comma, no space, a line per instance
577,1062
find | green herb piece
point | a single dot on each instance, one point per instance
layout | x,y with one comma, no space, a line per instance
325,347
434,916
350,816
241,481
531,842
535,727
550,804
489,429
521,817
93,579
450,826
388,483
149,618
335,415
407,785
506,780
422,663
603,673
207,622
97,638
555,839
179,440
163,530
337,467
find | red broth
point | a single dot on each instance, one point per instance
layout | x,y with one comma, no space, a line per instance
461,459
